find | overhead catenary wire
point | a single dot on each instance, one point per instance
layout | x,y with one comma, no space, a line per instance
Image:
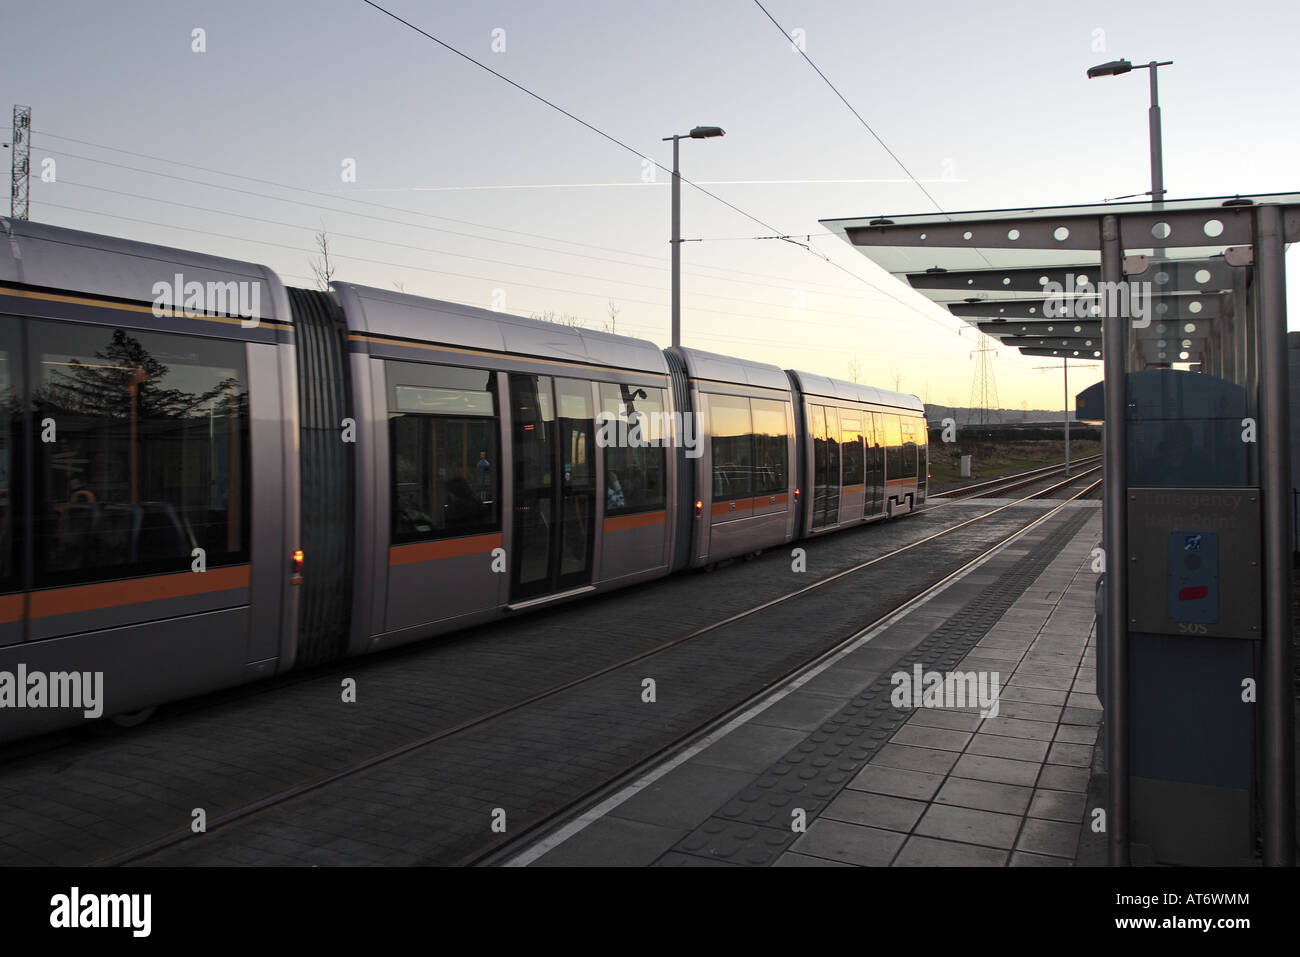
235,189
635,152
258,219
605,294
867,126
440,252
646,331
660,263
341,256
852,109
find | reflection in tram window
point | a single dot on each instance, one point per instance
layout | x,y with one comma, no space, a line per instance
439,390
9,410
576,426
894,463
634,473
771,446
873,427
921,439
851,447
443,441
733,447
826,488
907,436
151,457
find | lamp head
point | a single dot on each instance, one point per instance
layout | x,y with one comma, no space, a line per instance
1113,68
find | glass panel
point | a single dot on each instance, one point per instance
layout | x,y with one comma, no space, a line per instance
921,436
817,429
151,457
534,465
875,462
908,427
444,482
733,445
851,448
634,474
832,498
894,447
10,423
577,460
771,445
421,399
416,387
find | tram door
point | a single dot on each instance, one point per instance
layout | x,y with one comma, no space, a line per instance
554,485
874,431
826,465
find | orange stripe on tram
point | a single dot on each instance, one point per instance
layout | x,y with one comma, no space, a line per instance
724,508
11,608
622,523
133,591
448,548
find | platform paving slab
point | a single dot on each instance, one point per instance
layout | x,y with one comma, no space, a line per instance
929,787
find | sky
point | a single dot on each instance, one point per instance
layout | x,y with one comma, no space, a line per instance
468,189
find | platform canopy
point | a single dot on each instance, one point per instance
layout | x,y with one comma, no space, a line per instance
1145,287
1029,277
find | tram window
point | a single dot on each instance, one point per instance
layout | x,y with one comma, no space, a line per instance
894,447
851,448
635,439
771,446
909,428
902,448
444,477
151,457
444,446
439,390
733,446
574,423
10,391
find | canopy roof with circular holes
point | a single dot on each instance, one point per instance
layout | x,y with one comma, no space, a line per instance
1028,277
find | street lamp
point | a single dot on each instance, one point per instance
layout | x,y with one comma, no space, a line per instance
1115,68
698,133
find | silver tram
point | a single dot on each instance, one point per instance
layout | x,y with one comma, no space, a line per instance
207,477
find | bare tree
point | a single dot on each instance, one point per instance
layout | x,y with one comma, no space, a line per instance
322,266
399,285
560,319
855,369
611,326
897,373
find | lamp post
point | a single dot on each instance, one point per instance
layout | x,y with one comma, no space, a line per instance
698,133
1115,68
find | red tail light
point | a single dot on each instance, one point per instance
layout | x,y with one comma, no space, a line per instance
699,508
796,495
296,565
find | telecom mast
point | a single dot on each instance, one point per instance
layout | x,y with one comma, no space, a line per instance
18,201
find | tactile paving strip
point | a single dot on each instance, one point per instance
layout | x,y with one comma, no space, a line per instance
753,828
